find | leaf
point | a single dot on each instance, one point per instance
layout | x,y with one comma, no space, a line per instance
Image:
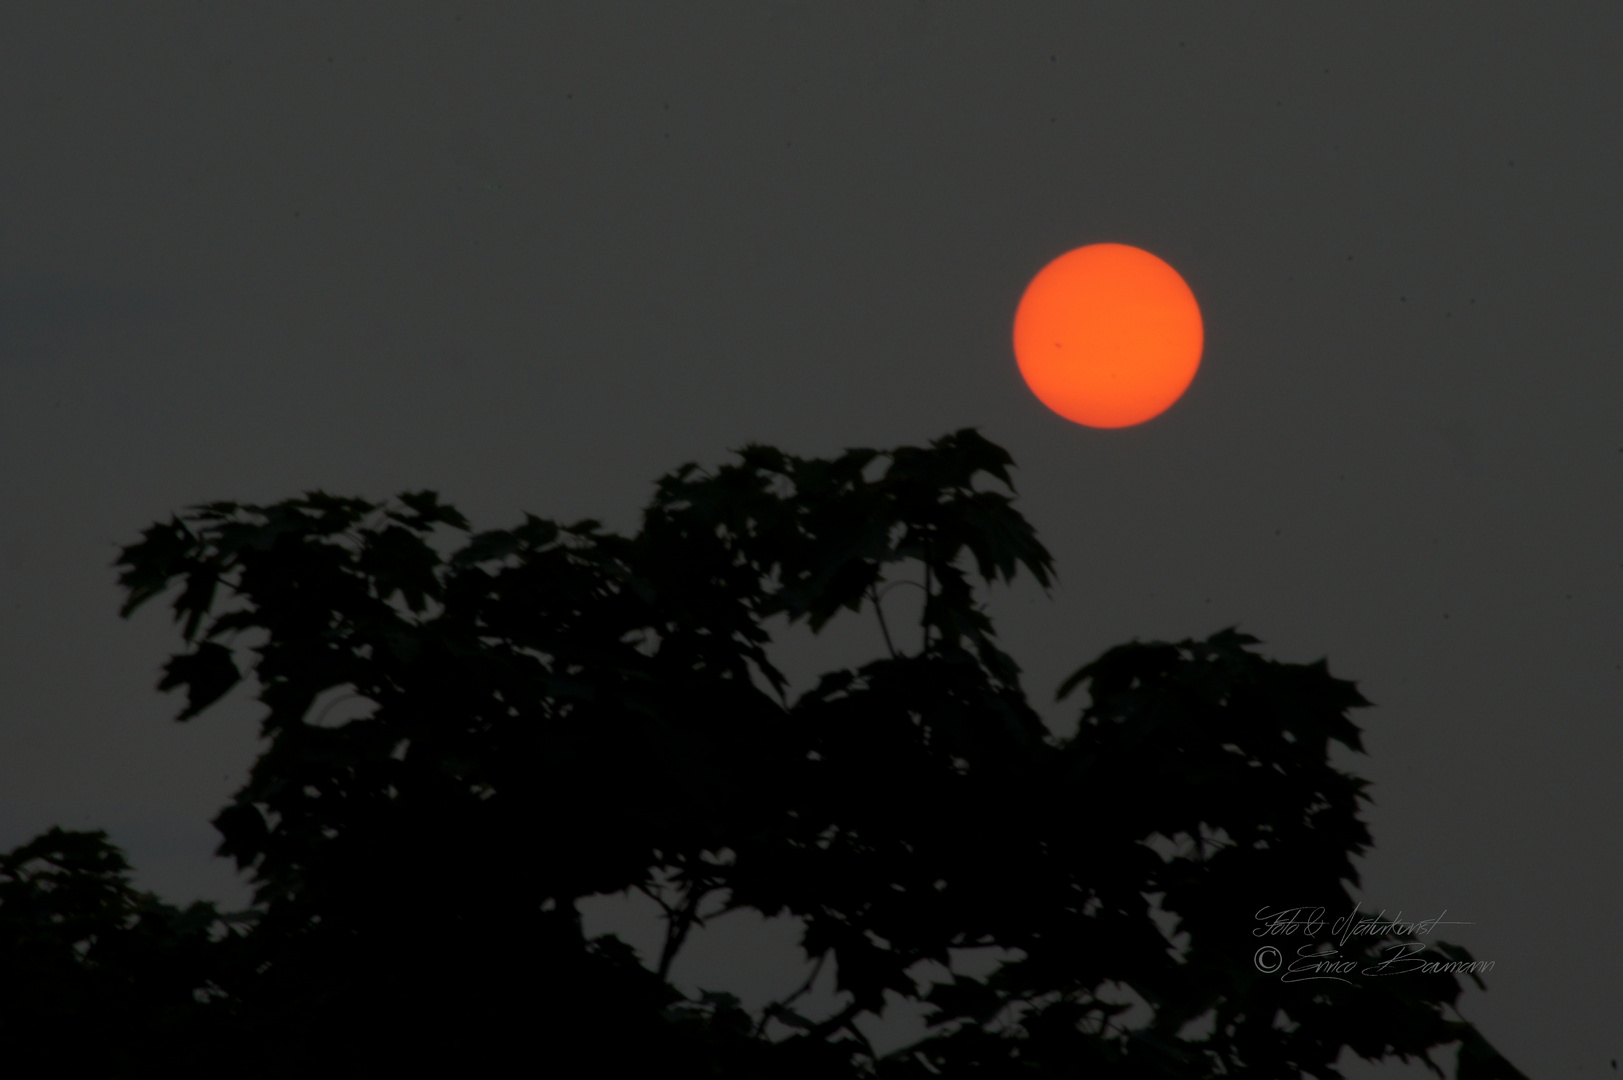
1479,1061
150,565
427,511
208,673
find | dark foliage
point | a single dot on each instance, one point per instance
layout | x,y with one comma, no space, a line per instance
557,712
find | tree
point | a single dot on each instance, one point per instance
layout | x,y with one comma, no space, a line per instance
560,712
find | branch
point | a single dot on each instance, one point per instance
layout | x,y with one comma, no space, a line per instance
841,1019
880,611
677,925
643,888
775,1007
876,595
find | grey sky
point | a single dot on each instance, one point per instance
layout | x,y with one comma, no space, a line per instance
533,256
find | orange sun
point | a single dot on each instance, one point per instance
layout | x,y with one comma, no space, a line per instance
1108,336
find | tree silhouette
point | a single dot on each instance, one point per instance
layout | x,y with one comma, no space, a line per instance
557,712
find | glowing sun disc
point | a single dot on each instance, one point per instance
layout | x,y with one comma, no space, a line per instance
1108,336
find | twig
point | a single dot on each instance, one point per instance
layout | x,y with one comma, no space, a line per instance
842,1019
880,611
773,1008
677,925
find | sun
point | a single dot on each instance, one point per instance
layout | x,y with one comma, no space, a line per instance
1108,336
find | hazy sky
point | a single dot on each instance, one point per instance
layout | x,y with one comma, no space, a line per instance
533,256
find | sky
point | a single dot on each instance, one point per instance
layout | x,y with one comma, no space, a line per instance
535,256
